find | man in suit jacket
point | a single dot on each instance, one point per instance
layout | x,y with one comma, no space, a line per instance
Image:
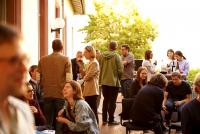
77,65
54,70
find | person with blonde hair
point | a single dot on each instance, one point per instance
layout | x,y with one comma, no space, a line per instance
76,115
91,79
190,119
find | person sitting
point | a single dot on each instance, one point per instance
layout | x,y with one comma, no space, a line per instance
171,62
76,115
35,108
177,93
190,118
182,64
146,110
38,94
138,83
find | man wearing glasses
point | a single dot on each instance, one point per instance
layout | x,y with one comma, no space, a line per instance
15,115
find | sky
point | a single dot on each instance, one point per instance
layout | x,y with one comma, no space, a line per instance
178,24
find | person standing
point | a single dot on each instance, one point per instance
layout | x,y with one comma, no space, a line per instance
128,74
77,66
111,70
151,67
91,79
54,70
15,115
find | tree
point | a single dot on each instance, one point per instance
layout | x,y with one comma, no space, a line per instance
129,28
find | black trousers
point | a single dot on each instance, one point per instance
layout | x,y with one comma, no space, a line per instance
51,108
109,103
92,101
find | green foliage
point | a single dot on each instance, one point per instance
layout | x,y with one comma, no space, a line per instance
109,25
192,74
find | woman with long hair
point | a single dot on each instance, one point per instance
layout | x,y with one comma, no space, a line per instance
149,65
139,82
171,62
182,64
76,115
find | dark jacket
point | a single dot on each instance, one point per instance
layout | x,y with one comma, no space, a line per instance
134,88
39,116
147,106
75,68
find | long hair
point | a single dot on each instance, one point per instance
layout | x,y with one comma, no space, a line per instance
172,51
179,53
77,88
140,69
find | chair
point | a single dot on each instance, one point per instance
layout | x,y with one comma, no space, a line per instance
125,119
124,115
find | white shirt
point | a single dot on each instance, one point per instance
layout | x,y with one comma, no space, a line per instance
23,121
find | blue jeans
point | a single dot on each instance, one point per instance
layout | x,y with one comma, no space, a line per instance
170,104
125,85
51,109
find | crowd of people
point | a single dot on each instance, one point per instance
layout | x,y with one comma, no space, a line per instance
64,94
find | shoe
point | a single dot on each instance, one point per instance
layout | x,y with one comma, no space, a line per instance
104,123
113,123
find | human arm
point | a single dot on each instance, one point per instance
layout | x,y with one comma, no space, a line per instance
92,71
187,99
164,101
119,66
68,69
150,67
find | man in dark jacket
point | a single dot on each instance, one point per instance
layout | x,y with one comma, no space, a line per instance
77,65
146,110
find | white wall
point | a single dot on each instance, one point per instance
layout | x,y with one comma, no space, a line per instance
30,29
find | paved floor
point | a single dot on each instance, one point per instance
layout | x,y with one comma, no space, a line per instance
118,129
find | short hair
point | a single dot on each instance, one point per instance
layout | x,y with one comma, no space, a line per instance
32,68
126,46
91,50
176,74
57,45
8,34
140,69
159,80
77,88
147,55
113,45
197,80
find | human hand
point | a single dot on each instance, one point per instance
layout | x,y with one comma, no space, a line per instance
62,120
60,113
34,109
164,108
178,103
